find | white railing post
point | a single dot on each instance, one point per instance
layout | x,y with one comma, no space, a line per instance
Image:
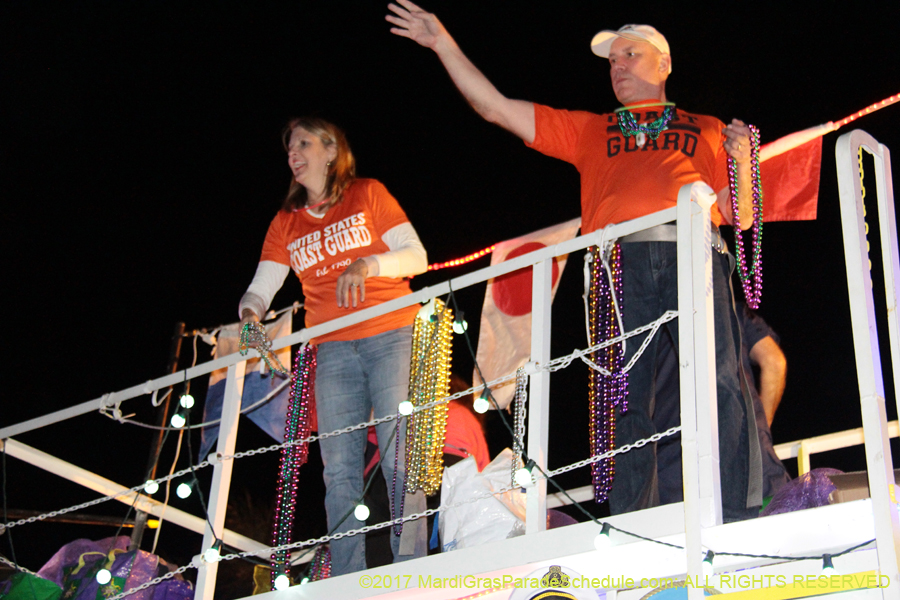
539,393
887,223
865,337
697,367
221,481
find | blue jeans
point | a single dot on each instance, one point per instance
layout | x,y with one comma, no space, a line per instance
650,288
354,378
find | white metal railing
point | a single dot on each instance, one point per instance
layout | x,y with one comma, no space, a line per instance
803,449
702,506
541,261
848,155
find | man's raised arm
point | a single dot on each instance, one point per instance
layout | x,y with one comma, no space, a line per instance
516,116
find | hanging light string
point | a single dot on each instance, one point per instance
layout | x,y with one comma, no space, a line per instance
551,367
461,261
557,364
399,521
867,110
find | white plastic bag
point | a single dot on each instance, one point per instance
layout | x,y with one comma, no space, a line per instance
486,520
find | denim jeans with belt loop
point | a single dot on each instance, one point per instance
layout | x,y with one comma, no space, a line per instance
649,281
354,378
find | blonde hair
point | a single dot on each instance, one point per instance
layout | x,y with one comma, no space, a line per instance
341,171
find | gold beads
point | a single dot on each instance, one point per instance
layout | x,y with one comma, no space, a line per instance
429,381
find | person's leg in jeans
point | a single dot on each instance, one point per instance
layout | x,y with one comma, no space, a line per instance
650,288
341,401
644,267
667,414
387,367
741,481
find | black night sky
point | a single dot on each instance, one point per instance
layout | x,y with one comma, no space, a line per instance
142,163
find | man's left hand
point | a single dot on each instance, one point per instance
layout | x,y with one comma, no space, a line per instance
737,141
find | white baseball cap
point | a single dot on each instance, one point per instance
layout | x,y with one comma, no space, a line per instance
642,33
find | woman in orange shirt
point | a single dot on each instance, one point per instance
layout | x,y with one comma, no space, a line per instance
351,246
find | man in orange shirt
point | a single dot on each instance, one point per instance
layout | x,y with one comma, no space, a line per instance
630,166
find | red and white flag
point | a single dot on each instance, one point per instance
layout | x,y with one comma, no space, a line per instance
504,343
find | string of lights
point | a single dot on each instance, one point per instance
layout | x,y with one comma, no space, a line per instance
551,366
461,261
605,526
869,109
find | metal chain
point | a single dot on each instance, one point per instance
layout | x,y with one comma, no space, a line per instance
153,582
551,366
10,563
564,361
318,541
400,520
638,444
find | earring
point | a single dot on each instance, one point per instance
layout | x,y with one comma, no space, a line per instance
328,164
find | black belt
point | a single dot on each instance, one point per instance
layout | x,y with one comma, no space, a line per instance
667,232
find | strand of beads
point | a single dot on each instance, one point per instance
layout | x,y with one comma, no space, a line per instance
629,125
429,380
253,333
605,393
320,567
752,277
397,511
519,422
297,427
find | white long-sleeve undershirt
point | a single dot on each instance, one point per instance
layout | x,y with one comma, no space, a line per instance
405,256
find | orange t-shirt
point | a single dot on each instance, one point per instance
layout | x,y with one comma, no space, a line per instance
318,251
464,436
621,181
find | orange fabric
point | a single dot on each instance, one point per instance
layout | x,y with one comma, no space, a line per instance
318,251
464,435
619,180
791,183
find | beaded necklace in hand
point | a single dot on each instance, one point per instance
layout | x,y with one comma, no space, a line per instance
254,333
751,278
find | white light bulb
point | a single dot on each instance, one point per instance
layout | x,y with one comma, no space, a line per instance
426,311
602,541
481,405
460,326
523,477
187,401
708,563
212,554
183,490
104,576
405,408
361,512
151,487
178,421
282,582
304,581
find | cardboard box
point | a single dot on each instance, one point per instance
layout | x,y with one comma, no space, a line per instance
852,486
